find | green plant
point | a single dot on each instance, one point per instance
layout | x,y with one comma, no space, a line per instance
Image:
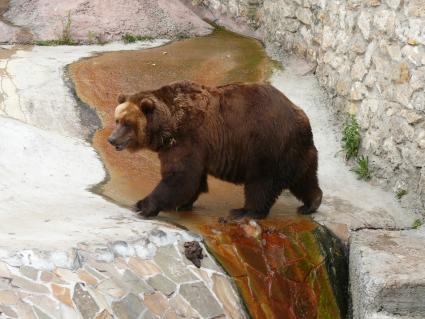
400,193
351,138
130,38
100,40
416,224
90,37
362,169
65,38
46,42
52,43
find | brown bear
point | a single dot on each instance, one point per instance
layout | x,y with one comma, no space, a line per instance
248,134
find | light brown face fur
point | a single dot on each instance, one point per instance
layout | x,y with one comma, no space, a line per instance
130,127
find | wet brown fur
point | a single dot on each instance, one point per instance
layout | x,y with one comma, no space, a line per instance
248,134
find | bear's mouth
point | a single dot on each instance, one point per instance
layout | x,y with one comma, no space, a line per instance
122,146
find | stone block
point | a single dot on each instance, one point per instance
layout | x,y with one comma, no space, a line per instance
63,294
129,307
143,268
201,299
85,303
393,4
134,284
358,69
162,284
172,267
387,273
416,8
28,285
304,15
364,23
224,291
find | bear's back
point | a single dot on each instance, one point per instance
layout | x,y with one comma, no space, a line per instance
259,124
261,110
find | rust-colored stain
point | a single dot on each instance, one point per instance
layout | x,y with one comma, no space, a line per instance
276,264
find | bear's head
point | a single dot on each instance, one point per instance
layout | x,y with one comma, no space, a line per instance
142,121
154,119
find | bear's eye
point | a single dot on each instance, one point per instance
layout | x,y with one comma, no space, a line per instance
116,122
127,124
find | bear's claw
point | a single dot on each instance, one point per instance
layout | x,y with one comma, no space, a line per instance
145,208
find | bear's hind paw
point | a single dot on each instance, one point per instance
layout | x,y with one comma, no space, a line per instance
237,213
306,210
242,212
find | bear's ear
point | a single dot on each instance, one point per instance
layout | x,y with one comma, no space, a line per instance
121,98
147,105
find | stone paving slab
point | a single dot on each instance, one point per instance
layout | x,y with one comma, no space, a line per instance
387,273
127,287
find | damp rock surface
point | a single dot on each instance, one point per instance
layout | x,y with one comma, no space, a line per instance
284,268
387,273
96,21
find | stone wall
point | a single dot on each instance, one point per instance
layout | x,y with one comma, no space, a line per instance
370,57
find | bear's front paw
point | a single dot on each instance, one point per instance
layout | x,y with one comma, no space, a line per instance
146,208
184,208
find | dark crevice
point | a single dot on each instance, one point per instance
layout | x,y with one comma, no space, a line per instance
336,262
382,228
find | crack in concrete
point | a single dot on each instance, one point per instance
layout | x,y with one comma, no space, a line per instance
381,228
6,76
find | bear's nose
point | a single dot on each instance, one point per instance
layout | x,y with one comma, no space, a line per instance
111,140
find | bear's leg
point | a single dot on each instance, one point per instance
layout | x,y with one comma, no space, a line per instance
260,195
203,188
178,186
308,191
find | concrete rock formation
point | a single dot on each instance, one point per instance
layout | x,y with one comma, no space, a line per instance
387,274
98,20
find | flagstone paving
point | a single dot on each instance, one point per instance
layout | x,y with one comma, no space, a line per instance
112,289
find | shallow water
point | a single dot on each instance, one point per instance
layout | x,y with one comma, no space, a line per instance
282,266
216,59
